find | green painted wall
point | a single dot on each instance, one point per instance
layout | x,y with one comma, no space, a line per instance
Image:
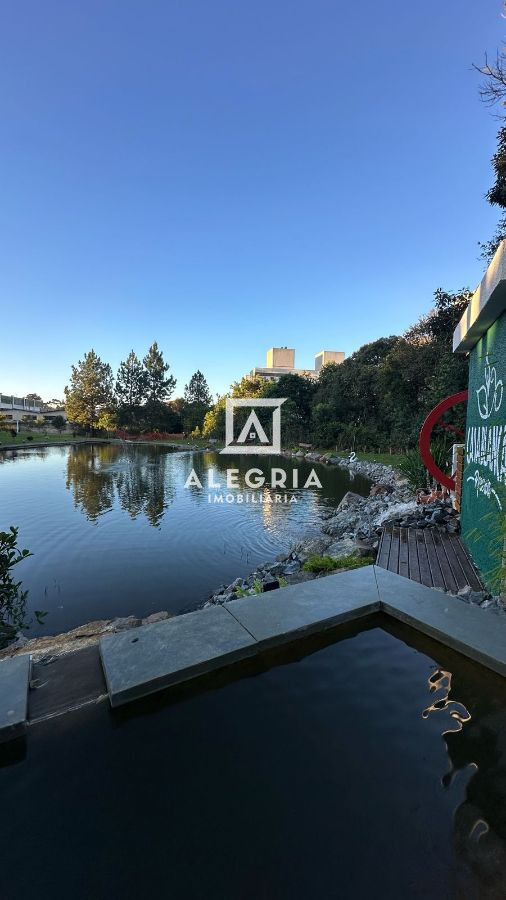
484,481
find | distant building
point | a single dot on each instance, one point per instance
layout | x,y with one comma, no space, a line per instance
16,408
281,361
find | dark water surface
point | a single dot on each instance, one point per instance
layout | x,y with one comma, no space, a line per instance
114,532
370,767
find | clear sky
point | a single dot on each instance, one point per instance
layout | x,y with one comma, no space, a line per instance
223,176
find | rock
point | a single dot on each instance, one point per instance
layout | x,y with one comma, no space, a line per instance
349,499
270,584
291,568
124,623
312,547
344,547
378,489
276,569
300,577
156,617
225,598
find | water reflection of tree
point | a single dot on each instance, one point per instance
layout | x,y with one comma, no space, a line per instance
137,476
91,485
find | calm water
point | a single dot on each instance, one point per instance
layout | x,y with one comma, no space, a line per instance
114,532
358,769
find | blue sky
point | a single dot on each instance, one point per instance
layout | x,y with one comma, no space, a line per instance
226,176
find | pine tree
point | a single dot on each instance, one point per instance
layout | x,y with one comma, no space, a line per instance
90,394
131,382
197,390
158,387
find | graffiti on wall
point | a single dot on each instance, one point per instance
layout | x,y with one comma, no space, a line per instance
486,444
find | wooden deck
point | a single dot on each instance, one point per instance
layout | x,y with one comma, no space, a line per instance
429,556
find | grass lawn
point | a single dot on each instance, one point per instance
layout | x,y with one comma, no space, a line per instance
21,438
387,459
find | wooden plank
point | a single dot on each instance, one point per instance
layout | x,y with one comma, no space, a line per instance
393,560
435,569
414,565
423,559
403,552
465,562
384,548
444,564
453,560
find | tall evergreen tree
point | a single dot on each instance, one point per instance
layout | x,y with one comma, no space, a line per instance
158,386
197,390
89,398
131,381
197,401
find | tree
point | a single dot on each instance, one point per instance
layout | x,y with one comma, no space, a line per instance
158,387
440,323
90,394
493,92
59,423
131,382
197,401
197,390
296,412
34,399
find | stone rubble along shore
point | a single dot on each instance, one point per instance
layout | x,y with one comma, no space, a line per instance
354,528
78,638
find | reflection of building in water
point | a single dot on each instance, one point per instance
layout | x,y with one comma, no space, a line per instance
137,477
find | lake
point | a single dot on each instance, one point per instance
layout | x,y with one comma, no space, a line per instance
114,531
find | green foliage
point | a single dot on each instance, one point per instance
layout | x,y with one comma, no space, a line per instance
58,422
131,382
413,469
197,402
319,564
378,398
12,597
158,387
90,391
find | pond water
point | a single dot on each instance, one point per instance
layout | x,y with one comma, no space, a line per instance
374,766
114,532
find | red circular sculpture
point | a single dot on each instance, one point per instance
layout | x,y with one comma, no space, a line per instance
426,432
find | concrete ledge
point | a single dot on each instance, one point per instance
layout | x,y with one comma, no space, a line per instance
140,662
479,635
286,615
485,306
14,683
146,659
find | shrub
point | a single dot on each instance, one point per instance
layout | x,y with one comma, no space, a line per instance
12,598
413,469
29,437
318,564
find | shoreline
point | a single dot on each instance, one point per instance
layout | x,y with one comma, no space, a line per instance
90,632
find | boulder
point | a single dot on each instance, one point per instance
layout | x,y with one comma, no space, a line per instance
349,499
156,617
379,489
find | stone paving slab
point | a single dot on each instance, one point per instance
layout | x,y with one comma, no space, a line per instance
14,683
146,659
476,633
281,616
